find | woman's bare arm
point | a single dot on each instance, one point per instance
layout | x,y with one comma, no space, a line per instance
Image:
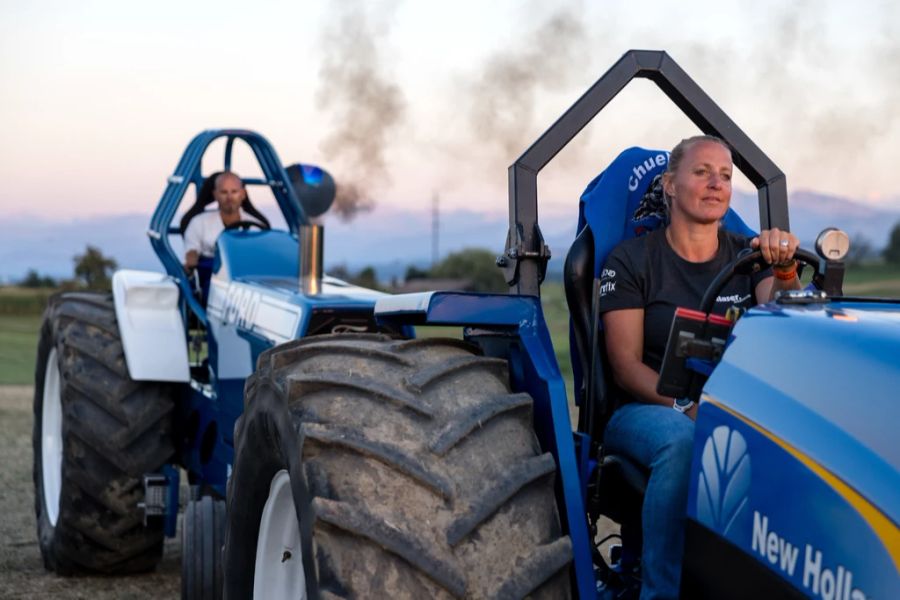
625,348
768,287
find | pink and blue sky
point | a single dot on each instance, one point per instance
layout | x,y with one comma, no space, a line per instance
98,98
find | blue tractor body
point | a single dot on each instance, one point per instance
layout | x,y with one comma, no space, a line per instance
796,470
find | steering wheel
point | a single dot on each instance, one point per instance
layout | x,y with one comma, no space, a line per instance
748,261
245,225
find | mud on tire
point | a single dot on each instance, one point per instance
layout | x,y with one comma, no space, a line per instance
415,472
112,431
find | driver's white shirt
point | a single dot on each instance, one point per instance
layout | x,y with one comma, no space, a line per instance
203,231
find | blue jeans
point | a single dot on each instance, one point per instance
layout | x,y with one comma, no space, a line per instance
661,439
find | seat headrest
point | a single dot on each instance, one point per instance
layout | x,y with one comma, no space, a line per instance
613,203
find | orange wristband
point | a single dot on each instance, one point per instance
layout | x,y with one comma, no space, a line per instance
788,274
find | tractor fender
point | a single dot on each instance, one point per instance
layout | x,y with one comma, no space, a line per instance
151,327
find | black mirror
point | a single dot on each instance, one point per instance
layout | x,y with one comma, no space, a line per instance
314,187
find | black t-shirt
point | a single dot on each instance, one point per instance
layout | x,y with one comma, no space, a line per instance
646,273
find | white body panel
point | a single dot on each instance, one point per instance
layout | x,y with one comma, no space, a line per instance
234,304
150,325
403,303
339,287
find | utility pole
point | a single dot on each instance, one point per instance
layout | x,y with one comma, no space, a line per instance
435,228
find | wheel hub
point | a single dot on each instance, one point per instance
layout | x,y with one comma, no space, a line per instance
51,438
278,572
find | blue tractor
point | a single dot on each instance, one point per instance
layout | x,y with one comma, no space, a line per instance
132,385
358,461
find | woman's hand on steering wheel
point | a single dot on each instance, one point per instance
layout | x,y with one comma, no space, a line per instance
777,246
750,261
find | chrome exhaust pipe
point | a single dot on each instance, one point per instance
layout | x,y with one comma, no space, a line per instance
312,242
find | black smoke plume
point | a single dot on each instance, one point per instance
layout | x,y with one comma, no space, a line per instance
502,97
365,107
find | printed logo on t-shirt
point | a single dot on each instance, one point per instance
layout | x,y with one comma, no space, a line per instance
607,282
733,299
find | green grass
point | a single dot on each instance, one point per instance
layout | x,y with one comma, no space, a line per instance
556,313
18,348
874,280
20,324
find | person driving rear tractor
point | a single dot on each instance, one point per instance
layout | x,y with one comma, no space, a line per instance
203,230
643,282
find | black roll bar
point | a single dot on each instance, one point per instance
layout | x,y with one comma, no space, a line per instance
525,259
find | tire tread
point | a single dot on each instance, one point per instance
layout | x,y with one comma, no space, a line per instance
421,472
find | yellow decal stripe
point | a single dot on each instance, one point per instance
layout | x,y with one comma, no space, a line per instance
883,527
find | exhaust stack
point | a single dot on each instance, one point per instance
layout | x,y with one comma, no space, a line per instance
311,238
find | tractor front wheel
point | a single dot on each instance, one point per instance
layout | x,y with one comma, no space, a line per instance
96,433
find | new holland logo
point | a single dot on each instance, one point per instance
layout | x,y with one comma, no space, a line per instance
724,480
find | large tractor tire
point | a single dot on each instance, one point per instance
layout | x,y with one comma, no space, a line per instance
370,467
96,433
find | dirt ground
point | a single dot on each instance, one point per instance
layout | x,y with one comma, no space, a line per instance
22,573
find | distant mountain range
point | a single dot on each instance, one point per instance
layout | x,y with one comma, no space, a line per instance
811,212
388,239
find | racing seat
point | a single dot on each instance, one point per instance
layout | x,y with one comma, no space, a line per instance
623,202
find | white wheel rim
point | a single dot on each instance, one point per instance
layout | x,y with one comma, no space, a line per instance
51,439
278,572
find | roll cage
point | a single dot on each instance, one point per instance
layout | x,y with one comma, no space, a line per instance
188,171
524,261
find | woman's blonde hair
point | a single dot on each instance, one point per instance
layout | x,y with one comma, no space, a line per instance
682,147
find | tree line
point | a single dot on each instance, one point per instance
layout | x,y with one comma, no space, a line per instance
93,270
891,252
475,266
863,251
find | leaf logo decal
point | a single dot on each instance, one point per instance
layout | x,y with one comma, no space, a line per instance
724,480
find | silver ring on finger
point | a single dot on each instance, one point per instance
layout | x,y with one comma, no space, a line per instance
784,243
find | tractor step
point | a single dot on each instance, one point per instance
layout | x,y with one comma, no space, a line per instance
161,497
155,487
